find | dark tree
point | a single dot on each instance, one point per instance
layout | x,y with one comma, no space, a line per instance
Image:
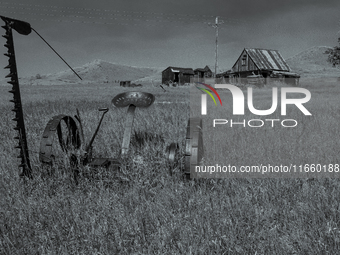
334,55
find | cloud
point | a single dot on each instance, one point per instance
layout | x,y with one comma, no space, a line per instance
163,33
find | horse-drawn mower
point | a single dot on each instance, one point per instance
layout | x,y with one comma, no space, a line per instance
63,136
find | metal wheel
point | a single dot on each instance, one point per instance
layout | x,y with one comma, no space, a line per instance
60,141
173,156
193,145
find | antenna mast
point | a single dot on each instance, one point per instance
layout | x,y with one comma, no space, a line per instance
217,23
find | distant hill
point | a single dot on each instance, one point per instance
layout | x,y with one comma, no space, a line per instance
313,63
308,63
98,71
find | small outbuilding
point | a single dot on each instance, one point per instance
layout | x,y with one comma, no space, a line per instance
203,72
177,75
125,83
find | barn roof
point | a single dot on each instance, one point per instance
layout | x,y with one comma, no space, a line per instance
267,59
181,69
200,69
205,69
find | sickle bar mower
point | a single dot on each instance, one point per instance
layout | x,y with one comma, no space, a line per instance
62,139
25,29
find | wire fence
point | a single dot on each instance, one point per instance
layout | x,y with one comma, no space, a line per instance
54,13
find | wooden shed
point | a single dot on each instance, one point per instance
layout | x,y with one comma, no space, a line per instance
203,72
177,75
125,83
261,63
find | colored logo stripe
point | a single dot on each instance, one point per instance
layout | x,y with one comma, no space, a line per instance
208,92
213,90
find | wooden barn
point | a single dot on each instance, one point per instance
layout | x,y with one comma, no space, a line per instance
260,65
177,75
203,72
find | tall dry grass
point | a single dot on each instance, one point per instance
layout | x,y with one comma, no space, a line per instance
143,209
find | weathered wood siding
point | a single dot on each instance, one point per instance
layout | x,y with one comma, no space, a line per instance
178,75
244,63
167,75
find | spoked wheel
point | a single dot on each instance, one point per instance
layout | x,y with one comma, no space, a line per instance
60,142
194,149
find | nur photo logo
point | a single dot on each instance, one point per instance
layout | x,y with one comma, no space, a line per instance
238,105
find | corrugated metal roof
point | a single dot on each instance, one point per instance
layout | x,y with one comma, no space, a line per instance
205,69
200,69
180,69
268,59
188,71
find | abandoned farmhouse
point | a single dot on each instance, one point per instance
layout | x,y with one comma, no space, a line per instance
181,75
254,66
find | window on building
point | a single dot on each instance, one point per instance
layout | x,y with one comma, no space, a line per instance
244,60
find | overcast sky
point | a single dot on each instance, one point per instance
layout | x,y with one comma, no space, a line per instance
161,33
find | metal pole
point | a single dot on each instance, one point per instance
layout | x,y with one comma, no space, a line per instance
216,49
104,110
57,53
128,128
217,23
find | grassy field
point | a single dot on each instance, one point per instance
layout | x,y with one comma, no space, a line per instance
147,209
312,141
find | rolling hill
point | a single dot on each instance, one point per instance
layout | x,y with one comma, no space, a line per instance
313,63
97,71
309,63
